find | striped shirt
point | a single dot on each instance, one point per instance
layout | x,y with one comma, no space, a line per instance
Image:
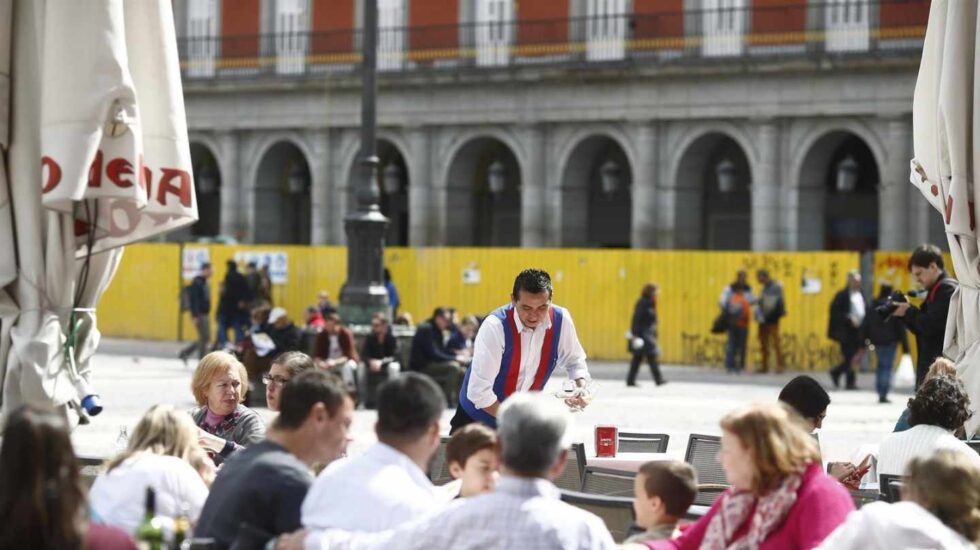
899,448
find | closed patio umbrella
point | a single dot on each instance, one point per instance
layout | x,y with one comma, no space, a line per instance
97,157
946,121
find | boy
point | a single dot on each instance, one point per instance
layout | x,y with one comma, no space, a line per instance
664,490
472,458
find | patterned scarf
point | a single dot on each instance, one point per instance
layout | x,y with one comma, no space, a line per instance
770,511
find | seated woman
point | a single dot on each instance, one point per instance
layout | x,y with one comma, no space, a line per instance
939,408
940,508
780,497
41,495
284,367
160,455
224,424
939,367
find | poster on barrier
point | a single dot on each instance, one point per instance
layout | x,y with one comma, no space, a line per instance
192,259
277,261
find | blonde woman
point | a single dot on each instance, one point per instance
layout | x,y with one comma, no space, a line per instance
160,455
780,496
940,508
225,425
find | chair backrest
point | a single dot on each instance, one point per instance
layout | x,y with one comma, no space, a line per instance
863,497
890,487
638,442
702,452
89,468
616,512
604,481
571,477
974,444
439,468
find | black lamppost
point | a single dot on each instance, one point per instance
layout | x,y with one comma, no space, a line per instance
364,293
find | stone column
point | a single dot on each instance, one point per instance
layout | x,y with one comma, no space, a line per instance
665,189
339,184
233,188
894,230
643,233
534,189
765,190
319,145
438,191
421,215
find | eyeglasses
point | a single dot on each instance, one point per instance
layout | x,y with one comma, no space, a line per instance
278,380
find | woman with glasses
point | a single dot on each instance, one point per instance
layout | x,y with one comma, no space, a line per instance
225,425
283,369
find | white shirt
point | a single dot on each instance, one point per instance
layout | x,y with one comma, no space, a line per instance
857,307
522,514
899,448
899,526
380,489
118,497
334,351
488,350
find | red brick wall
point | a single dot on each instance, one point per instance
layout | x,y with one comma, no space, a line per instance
904,13
658,19
777,22
332,23
542,22
240,28
434,25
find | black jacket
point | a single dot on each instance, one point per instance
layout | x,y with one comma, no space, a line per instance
200,296
840,328
428,347
374,348
644,323
884,332
288,338
928,323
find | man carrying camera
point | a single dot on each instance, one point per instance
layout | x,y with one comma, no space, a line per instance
928,323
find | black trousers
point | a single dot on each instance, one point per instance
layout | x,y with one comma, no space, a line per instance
460,419
848,349
638,357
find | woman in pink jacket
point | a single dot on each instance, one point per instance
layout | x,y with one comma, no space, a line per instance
780,498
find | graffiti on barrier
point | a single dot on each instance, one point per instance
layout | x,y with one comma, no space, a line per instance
801,352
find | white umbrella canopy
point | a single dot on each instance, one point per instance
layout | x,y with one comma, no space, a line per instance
946,164
98,158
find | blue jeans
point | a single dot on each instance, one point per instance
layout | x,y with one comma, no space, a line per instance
224,324
886,359
735,350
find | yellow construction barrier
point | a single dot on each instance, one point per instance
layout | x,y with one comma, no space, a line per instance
599,287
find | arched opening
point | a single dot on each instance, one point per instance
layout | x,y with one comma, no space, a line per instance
282,196
207,188
713,204
596,195
393,182
483,195
838,195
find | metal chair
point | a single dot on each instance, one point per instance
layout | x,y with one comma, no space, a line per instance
605,481
702,452
864,496
89,468
616,512
638,442
890,487
439,468
571,478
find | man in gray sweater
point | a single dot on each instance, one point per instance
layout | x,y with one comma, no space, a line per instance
770,309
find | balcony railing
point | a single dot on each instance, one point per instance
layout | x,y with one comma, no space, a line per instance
833,28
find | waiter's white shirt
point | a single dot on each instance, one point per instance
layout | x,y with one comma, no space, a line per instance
488,350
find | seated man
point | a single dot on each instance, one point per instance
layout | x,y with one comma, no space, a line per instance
472,458
431,356
663,490
334,350
380,354
525,511
284,333
386,486
263,486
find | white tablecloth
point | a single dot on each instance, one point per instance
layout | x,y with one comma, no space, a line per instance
627,462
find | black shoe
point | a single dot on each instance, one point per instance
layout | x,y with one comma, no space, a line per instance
661,382
633,385
183,357
852,388
883,401
835,378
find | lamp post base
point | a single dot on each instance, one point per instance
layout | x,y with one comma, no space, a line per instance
364,293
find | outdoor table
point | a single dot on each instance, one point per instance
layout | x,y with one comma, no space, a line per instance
626,462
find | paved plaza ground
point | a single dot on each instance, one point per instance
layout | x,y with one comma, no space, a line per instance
132,376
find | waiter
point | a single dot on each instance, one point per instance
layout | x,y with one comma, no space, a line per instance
517,348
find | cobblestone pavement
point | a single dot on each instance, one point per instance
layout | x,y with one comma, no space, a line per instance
132,376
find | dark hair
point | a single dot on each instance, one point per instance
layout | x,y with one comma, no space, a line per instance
763,274
41,496
806,396
407,407
305,390
387,275
232,265
532,281
332,317
941,402
468,441
649,291
439,312
294,361
925,255
206,265
675,482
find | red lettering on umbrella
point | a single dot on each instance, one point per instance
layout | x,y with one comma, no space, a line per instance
949,208
95,171
182,190
54,174
118,168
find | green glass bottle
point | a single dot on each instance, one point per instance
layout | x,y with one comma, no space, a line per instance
149,533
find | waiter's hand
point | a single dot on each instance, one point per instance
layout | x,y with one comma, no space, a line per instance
582,398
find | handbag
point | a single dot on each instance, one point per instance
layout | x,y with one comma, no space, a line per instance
721,323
